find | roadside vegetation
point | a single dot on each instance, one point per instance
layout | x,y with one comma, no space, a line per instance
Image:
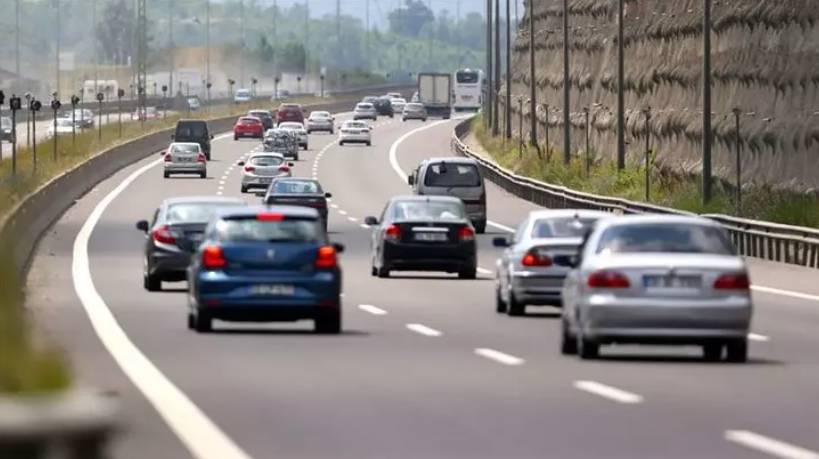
666,189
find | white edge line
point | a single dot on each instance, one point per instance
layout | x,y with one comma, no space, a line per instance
769,445
196,431
372,309
424,330
776,291
498,356
609,392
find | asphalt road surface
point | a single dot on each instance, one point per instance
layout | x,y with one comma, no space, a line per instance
425,368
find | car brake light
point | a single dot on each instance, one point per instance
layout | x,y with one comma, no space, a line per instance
533,258
466,233
201,158
270,217
168,158
735,281
392,233
163,234
284,169
608,279
326,257
213,257
249,168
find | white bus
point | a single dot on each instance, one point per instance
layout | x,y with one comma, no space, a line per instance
467,89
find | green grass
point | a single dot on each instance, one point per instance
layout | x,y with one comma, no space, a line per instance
667,189
28,365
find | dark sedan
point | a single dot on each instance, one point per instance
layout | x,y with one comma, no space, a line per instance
298,192
174,234
423,233
265,116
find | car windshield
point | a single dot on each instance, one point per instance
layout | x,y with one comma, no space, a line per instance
296,187
199,212
562,227
265,161
319,115
260,114
185,149
665,238
249,121
428,210
364,107
288,230
414,106
452,175
192,130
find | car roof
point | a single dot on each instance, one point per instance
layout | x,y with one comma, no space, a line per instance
568,213
265,153
451,159
289,211
426,198
191,122
192,144
258,112
202,200
660,219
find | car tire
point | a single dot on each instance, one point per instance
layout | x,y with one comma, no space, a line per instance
424,120
202,322
191,321
203,175
515,309
152,283
328,323
480,227
296,157
587,349
383,272
470,272
166,175
568,343
235,137
712,352
369,144
373,271
500,305
737,351
244,189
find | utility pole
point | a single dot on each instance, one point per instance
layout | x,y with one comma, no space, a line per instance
340,47
621,88
57,47
509,74
142,56
207,43
244,45
496,89
367,31
567,128
96,52
17,37
532,80
458,31
431,33
171,47
275,38
488,102
306,36
706,102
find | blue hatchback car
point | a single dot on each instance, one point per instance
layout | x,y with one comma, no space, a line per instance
263,264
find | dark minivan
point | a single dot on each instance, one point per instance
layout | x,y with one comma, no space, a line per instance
194,131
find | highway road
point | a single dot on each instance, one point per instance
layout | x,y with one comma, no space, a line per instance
424,368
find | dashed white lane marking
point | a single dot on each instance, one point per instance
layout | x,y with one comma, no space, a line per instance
372,309
776,291
758,337
198,433
609,392
364,226
334,206
768,445
498,356
342,212
424,330
484,271
352,219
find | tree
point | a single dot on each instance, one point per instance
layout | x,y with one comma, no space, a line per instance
116,31
410,19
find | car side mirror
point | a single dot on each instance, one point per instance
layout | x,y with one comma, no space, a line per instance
291,164
211,137
370,221
339,247
411,179
240,163
328,195
501,241
371,128
142,225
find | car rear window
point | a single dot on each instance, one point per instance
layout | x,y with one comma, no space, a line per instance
191,130
290,107
365,106
562,227
265,161
665,238
249,121
296,187
200,212
185,149
428,210
452,175
357,125
252,230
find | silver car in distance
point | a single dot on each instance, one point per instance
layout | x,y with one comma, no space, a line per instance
185,158
537,258
657,279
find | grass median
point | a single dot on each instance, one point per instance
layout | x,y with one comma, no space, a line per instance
666,188
29,365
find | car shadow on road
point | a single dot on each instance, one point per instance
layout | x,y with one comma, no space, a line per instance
542,315
438,278
285,332
687,359
173,290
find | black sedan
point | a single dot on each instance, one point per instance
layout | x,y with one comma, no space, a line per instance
174,234
423,233
298,192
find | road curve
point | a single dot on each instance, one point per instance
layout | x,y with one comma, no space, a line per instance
425,368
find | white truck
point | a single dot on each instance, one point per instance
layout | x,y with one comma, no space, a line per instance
435,92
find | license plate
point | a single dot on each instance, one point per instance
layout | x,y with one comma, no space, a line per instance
265,180
273,290
687,282
430,237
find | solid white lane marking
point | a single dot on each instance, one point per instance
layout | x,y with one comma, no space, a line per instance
218,193
424,330
372,309
769,445
500,227
758,337
197,432
776,291
498,356
342,212
609,392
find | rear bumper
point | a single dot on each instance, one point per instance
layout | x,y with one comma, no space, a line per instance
320,127
170,266
196,168
428,257
414,116
257,134
355,138
537,288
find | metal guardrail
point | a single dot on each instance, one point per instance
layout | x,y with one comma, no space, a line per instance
753,238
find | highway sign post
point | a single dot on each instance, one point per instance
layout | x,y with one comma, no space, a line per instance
100,98
55,106
34,107
15,104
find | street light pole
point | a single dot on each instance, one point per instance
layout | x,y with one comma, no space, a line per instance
706,102
737,113
621,88
207,44
488,102
57,47
509,73
495,119
647,113
532,87
170,45
17,37
588,147
567,128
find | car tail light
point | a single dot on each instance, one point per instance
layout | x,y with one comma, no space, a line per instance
163,234
249,168
213,257
318,204
608,279
326,257
392,233
466,233
533,258
284,168
270,217
734,281
168,158
201,158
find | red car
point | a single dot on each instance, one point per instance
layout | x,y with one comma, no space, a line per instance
248,126
290,112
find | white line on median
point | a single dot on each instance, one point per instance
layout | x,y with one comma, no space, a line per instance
498,356
769,445
609,392
758,337
424,330
198,433
372,309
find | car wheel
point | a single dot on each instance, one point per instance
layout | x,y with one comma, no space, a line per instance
516,309
244,189
296,157
587,349
500,305
328,323
470,272
340,144
737,351
203,175
202,323
568,343
480,227
383,272
191,321
404,120
424,120
166,175
151,283
373,271
235,137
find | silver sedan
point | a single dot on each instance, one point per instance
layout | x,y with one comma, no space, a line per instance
185,158
261,168
535,263
658,280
